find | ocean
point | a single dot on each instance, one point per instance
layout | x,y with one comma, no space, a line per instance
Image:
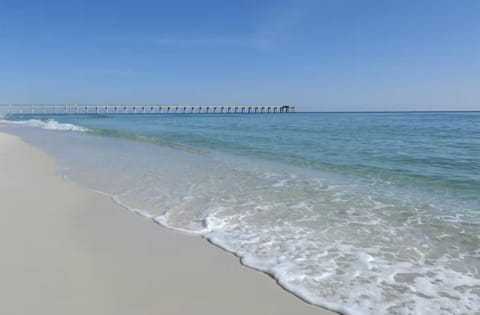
362,213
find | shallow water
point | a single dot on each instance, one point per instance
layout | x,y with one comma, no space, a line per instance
361,213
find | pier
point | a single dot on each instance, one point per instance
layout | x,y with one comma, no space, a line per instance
78,109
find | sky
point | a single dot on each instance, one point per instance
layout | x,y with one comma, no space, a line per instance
319,55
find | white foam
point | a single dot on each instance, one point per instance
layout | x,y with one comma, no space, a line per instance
318,265
50,124
142,212
366,283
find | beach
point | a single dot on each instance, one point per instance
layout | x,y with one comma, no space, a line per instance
68,250
240,157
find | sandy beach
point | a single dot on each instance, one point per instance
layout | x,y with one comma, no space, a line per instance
68,250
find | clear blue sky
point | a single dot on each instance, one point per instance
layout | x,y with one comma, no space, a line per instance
318,55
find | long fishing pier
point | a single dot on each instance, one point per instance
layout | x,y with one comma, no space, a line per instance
77,109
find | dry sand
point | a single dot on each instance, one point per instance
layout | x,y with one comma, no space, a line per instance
66,250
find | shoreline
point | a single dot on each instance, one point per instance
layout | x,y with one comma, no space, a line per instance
97,258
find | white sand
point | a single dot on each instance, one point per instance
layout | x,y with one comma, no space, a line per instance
66,250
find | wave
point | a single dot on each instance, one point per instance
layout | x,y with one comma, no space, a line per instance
50,124
423,291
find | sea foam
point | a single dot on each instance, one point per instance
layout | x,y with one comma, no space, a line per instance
50,124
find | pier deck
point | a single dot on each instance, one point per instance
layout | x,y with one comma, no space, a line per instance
77,109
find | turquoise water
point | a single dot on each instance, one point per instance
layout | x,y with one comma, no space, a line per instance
359,212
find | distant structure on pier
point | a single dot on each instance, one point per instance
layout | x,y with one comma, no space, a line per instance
77,109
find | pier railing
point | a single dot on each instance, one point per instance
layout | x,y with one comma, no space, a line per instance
78,109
